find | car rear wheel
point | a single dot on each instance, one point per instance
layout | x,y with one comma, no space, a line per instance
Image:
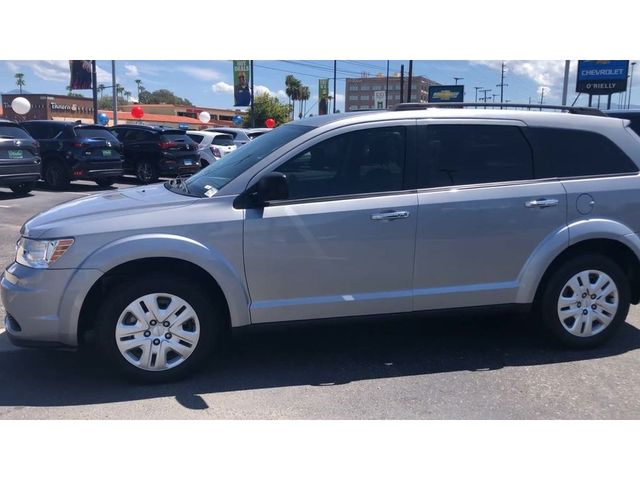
23,188
158,328
146,171
585,301
55,175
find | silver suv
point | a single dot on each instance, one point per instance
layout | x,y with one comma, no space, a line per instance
342,216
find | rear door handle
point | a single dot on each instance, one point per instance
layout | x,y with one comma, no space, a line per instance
389,215
542,203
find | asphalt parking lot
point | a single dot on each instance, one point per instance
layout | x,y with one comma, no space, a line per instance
442,367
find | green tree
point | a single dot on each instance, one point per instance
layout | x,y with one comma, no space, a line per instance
119,90
292,85
139,84
127,95
106,103
265,106
101,88
20,81
165,96
304,95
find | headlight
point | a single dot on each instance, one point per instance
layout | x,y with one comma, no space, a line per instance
41,253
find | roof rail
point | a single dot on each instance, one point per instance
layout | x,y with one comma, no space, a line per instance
527,106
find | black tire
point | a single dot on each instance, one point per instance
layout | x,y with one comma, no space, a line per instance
105,182
23,188
546,307
209,312
147,171
55,175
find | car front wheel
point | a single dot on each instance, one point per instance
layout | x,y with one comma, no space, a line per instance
146,171
585,301
157,328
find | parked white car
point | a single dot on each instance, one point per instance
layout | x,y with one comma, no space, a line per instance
212,146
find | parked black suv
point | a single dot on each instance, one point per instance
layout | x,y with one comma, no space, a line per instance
19,158
152,151
73,151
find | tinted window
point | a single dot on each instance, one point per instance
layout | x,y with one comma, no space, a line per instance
44,131
174,137
218,174
469,154
11,131
363,161
95,133
576,153
138,135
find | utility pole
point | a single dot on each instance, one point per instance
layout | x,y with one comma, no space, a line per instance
335,94
477,88
494,95
386,90
633,64
458,78
114,99
409,81
565,84
502,84
94,85
484,91
401,83
542,96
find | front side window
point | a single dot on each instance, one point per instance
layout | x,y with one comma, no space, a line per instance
576,153
470,154
363,161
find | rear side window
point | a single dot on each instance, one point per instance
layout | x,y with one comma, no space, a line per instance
576,153
138,135
11,131
469,154
174,137
44,131
195,137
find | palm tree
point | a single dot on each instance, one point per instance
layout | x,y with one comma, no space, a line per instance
127,95
20,81
119,89
305,94
139,83
292,90
101,88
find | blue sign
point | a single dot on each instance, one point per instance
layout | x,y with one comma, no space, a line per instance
602,77
183,126
446,93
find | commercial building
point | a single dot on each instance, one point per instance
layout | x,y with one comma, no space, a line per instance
360,93
66,108
50,107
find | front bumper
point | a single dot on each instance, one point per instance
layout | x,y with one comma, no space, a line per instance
43,305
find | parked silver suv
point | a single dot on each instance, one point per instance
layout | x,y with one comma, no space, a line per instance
342,216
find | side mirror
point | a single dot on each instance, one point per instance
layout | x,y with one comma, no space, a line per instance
272,186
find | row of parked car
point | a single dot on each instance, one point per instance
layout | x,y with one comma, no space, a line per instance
59,152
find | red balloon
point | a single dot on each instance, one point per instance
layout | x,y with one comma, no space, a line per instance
270,123
137,112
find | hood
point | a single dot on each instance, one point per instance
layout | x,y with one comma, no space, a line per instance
110,211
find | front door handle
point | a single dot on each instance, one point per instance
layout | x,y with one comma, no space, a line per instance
542,203
389,215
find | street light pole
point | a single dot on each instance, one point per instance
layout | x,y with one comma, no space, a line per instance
502,84
633,64
458,78
477,88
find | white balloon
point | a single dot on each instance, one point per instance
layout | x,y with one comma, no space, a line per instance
204,117
21,105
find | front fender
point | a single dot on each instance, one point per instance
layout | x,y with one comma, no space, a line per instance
228,276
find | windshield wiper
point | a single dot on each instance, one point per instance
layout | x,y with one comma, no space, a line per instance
179,182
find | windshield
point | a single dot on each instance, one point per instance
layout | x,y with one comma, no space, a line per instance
10,131
84,132
217,175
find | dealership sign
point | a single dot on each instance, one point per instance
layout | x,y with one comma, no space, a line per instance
602,77
446,93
